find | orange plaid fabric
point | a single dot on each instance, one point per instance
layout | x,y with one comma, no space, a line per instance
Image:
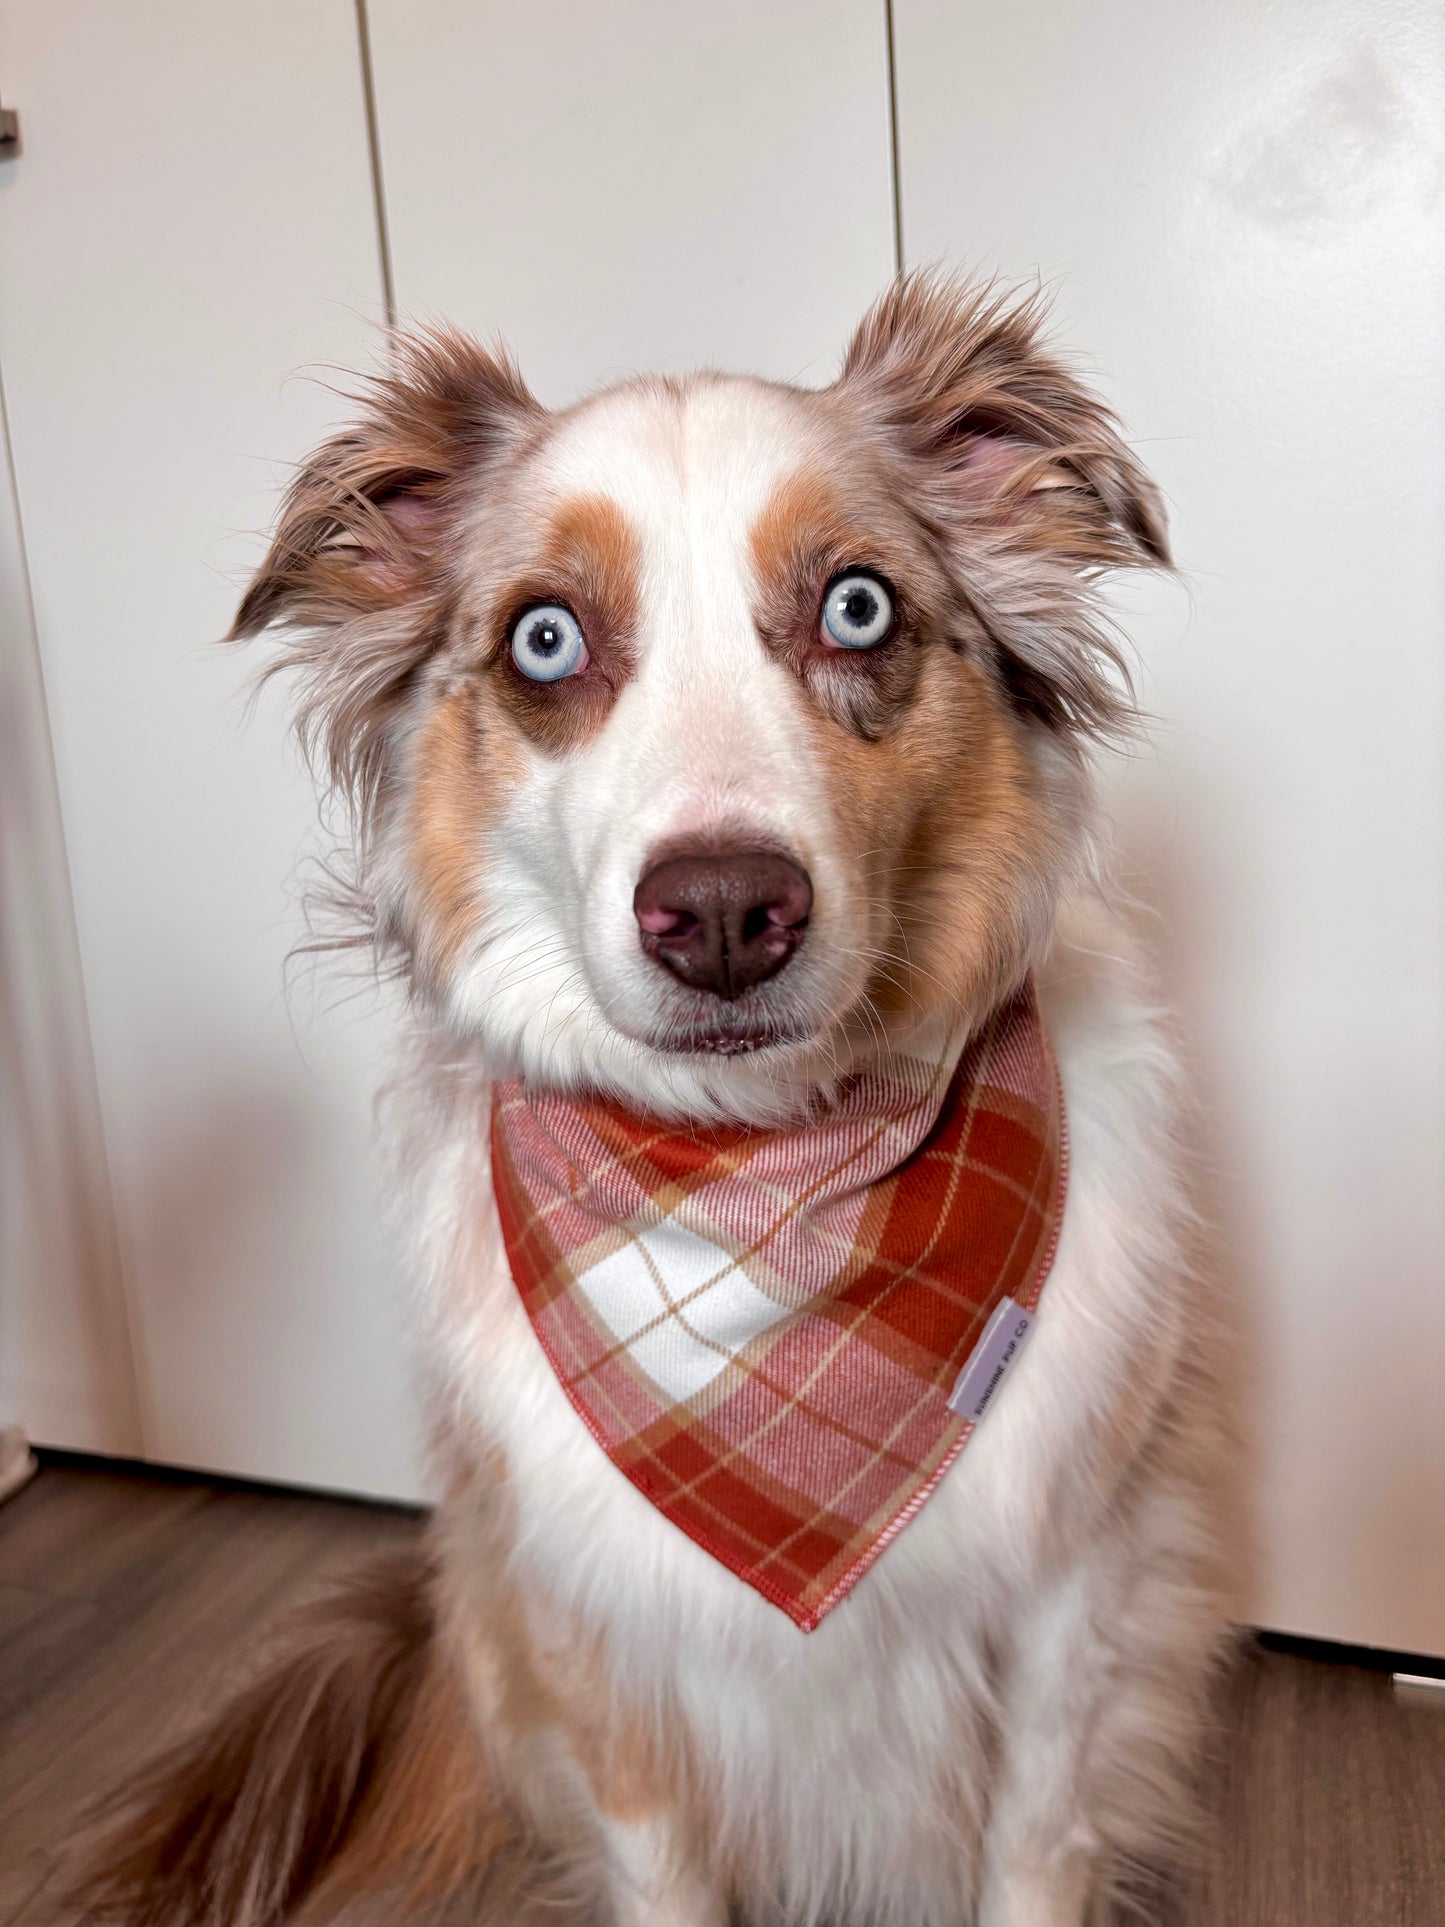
761,1329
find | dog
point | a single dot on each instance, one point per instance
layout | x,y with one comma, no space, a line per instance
713,749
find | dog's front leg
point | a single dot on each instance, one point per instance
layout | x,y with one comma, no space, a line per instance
1100,1713
649,1882
1040,1849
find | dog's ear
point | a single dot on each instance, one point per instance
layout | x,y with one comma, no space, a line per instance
356,570
1015,442
365,516
1025,475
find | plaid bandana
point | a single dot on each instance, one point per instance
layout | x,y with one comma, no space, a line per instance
763,1329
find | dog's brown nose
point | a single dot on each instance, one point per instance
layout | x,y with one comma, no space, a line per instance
723,921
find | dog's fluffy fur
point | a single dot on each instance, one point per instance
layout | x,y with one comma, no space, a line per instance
570,1703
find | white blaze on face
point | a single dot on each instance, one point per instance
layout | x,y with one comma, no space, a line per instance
709,736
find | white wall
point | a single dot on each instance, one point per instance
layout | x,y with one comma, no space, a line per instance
1241,209
190,224
66,1368
639,185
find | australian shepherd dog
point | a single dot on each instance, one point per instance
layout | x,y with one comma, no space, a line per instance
709,746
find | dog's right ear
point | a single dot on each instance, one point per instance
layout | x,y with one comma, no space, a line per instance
356,569
368,513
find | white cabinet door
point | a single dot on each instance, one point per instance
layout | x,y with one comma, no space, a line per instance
189,222
1241,208
66,1369
641,185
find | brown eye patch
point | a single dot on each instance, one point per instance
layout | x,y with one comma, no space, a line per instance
801,543
590,563
459,769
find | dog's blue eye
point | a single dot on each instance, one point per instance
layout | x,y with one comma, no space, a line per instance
857,611
547,644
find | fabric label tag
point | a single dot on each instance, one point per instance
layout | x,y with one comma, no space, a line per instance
1004,1337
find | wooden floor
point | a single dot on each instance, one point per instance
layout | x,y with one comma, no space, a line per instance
126,1596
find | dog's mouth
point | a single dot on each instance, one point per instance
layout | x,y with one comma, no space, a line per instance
729,1040
727,1032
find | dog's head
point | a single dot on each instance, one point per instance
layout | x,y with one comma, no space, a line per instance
706,733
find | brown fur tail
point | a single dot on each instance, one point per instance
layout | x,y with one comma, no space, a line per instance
346,1768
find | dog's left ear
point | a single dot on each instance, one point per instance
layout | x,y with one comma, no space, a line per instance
1027,479
1015,447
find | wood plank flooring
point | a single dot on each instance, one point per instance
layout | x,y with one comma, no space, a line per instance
128,1596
